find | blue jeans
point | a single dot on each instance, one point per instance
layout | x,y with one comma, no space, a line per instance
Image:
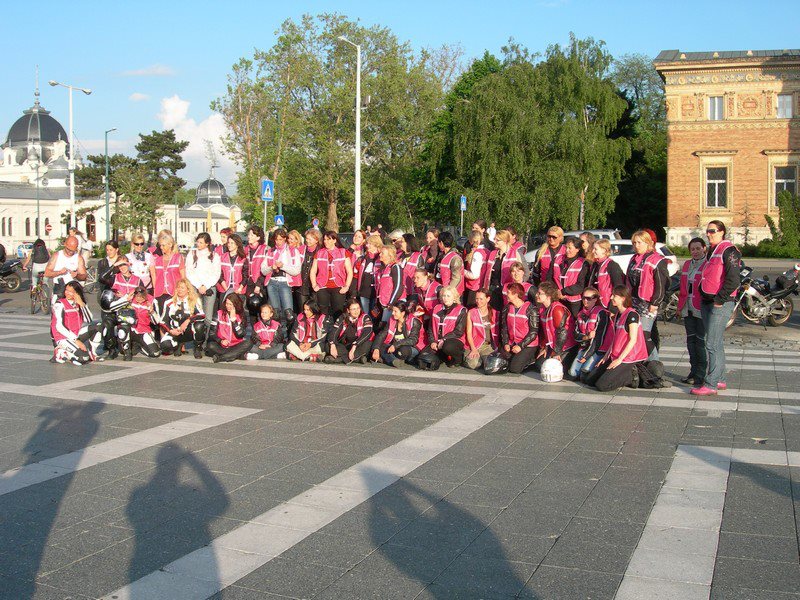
696,345
587,366
647,322
714,319
366,303
280,297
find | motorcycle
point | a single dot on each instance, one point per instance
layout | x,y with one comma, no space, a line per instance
668,308
759,302
10,279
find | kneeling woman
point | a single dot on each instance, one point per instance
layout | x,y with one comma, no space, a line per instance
267,336
556,327
227,342
401,342
591,327
447,328
182,321
75,336
483,324
350,338
627,347
520,329
308,334
139,336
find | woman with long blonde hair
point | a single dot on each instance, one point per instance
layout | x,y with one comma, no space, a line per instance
551,252
183,321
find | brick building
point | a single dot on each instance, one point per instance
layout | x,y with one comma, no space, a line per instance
733,131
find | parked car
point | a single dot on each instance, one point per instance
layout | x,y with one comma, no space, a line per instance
600,234
623,250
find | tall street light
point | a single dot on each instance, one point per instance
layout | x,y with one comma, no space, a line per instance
358,131
108,218
72,147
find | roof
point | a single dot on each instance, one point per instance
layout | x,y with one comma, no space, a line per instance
667,56
27,191
35,124
211,191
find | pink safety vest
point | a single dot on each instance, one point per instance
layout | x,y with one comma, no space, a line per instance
441,326
384,284
72,320
225,329
586,321
621,337
446,271
479,331
509,259
569,278
429,297
358,269
683,291
231,273
410,264
646,263
302,321
517,324
476,284
359,326
713,272
603,283
266,331
546,262
142,312
124,286
167,275
261,255
297,280
548,327
391,330
335,258
525,285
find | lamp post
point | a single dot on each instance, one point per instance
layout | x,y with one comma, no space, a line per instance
357,225
33,160
72,147
108,218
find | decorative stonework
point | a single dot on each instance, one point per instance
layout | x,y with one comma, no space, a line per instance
749,106
712,77
690,107
722,125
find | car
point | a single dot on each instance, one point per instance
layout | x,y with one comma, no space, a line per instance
600,234
623,250
24,249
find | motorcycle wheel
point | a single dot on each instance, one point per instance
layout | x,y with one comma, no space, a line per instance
781,313
743,308
12,282
669,308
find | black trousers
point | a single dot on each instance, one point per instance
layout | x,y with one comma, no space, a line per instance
450,351
605,379
517,363
300,296
195,332
230,354
330,301
343,352
109,322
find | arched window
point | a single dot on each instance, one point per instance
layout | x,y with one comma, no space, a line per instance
36,227
216,227
3,226
10,226
27,227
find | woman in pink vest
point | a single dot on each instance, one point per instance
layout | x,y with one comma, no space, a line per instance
517,276
331,275
306,342
400,343
227,340
257,256
571,275
551,252
139,336
690,303
446,331
410,259
222,247
483,329
365,272
719,282
520,330
426,292
627,346
591,328
604,274
75,337
356,250
350,337
499,263
182,321
475,267
166,269
647,279
388,282
267,337
556,327
450,270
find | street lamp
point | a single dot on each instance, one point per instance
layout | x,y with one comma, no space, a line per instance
108,218
72,147
358,131
33,160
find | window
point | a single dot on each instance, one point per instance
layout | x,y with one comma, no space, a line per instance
715,108
36,227
10,226
785,179
28,227
4,226
784,106
716,187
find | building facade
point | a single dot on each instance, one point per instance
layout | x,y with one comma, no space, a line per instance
733,139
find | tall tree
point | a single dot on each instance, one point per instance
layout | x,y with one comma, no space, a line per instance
160,154
139,199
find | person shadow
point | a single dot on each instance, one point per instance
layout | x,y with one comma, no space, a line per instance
172,513
28,514
431,548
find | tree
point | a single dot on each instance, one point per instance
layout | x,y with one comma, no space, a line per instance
139,199
160,154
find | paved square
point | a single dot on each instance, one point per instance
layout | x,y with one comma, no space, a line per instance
176,478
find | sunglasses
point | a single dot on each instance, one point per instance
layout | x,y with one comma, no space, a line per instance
552,237
590,297
138,243
710,231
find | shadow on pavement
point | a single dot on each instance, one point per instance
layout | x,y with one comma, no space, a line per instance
27,516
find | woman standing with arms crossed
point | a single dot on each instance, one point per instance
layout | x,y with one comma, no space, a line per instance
719,281
647,279
331,275
166,270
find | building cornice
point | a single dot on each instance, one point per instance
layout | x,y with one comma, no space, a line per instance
715,152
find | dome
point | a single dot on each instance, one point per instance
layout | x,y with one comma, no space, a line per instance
211,191
36,125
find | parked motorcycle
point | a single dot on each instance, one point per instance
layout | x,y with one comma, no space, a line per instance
668,308
10,279
760,302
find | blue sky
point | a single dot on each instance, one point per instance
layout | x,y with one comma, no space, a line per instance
155,65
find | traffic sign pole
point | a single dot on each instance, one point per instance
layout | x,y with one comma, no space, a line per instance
463,207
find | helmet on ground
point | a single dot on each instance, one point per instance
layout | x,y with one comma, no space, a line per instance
254,302
109,301
494,364
289,315
429,361
126,316
552,370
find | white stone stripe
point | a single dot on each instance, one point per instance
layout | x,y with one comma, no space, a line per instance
19,334
208,570
676,554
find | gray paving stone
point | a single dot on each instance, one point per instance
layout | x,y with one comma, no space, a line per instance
769,548
757,574
559,582
291,578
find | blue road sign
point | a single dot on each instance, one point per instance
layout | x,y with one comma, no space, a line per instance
315,223
267,190
279,220
463,203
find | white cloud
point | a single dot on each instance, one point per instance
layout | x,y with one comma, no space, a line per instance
138,97
155,70
174,114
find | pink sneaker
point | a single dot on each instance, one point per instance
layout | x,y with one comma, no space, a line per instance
722,385
703,391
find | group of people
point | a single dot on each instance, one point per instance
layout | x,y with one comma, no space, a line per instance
389,299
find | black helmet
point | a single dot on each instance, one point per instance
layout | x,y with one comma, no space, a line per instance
109,301
289,315
429,361
494,364
254,302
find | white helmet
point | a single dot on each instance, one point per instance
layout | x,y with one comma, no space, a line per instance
552,370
